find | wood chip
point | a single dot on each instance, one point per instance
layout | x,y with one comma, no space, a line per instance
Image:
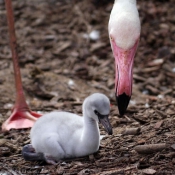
173,146
131,131
158,124
151,148
149,171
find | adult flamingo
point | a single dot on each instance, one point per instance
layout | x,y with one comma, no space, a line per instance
22,116
124,33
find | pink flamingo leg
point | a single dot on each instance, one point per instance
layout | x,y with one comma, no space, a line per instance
22,116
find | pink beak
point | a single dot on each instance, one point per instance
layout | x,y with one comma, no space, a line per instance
124,60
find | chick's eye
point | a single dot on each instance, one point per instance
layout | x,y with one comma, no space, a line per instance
96,112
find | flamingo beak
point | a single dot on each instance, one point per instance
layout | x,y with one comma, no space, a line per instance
104,120
124,60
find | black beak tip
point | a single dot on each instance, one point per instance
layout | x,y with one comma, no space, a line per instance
110,132
123,101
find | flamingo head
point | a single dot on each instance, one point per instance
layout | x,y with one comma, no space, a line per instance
124,33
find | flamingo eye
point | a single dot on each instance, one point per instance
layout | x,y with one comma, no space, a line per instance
111,38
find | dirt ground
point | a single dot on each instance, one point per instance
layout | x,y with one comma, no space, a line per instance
62,63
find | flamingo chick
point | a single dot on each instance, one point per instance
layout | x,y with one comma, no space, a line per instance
124,33
60,135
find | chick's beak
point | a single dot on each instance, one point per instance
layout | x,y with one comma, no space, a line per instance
103,119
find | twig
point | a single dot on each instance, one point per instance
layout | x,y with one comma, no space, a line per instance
147,149
131,131
118,171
